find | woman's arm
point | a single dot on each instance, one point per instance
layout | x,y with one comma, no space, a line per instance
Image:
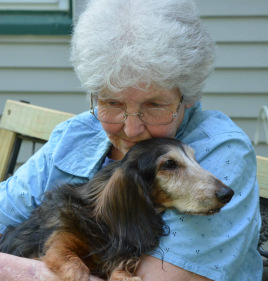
13,268
153,269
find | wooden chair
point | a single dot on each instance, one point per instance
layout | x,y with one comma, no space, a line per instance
19,121
262,175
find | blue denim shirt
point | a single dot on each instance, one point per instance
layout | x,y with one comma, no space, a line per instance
221,247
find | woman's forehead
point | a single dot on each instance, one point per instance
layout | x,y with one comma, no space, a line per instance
135,93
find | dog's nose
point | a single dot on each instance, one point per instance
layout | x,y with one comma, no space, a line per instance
224,194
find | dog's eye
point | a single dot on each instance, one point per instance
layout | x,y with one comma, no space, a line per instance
169,165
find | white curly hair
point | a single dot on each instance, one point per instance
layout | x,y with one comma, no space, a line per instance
118,44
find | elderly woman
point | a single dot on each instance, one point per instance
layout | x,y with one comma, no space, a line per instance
143,64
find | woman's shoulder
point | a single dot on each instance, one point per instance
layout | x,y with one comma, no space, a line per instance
79,123
80,128
216,139
212,125
76,142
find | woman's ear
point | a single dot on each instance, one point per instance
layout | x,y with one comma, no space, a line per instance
126,208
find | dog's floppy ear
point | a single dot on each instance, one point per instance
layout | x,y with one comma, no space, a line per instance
127,210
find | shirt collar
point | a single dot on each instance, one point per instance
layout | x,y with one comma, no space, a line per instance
189,112
82,148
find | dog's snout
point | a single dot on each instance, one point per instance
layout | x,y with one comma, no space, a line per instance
224,194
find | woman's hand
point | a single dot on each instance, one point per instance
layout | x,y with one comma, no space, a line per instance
13,268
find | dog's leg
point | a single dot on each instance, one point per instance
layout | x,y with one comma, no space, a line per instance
120,275
62,257
126,271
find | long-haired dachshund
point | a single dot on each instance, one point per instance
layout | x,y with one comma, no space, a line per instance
104,226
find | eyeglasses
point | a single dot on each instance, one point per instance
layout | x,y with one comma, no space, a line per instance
150,116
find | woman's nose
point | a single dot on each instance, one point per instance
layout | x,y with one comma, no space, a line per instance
133,126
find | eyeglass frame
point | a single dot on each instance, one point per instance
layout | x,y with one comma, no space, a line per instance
139,114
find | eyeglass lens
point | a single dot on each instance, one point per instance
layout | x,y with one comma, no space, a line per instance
157,116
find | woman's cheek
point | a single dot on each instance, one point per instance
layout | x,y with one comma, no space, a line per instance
112,129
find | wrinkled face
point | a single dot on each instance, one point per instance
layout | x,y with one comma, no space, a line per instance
124,136
184,185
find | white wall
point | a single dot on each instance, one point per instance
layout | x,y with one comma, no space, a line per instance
239,84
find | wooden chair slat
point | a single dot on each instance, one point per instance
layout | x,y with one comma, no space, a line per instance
262,175
31,120
25,119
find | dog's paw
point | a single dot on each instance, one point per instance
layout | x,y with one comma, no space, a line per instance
126,279
123,276
69,270
72,271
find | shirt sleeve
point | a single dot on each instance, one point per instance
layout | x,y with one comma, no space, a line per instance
73,154
221,246
22,192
